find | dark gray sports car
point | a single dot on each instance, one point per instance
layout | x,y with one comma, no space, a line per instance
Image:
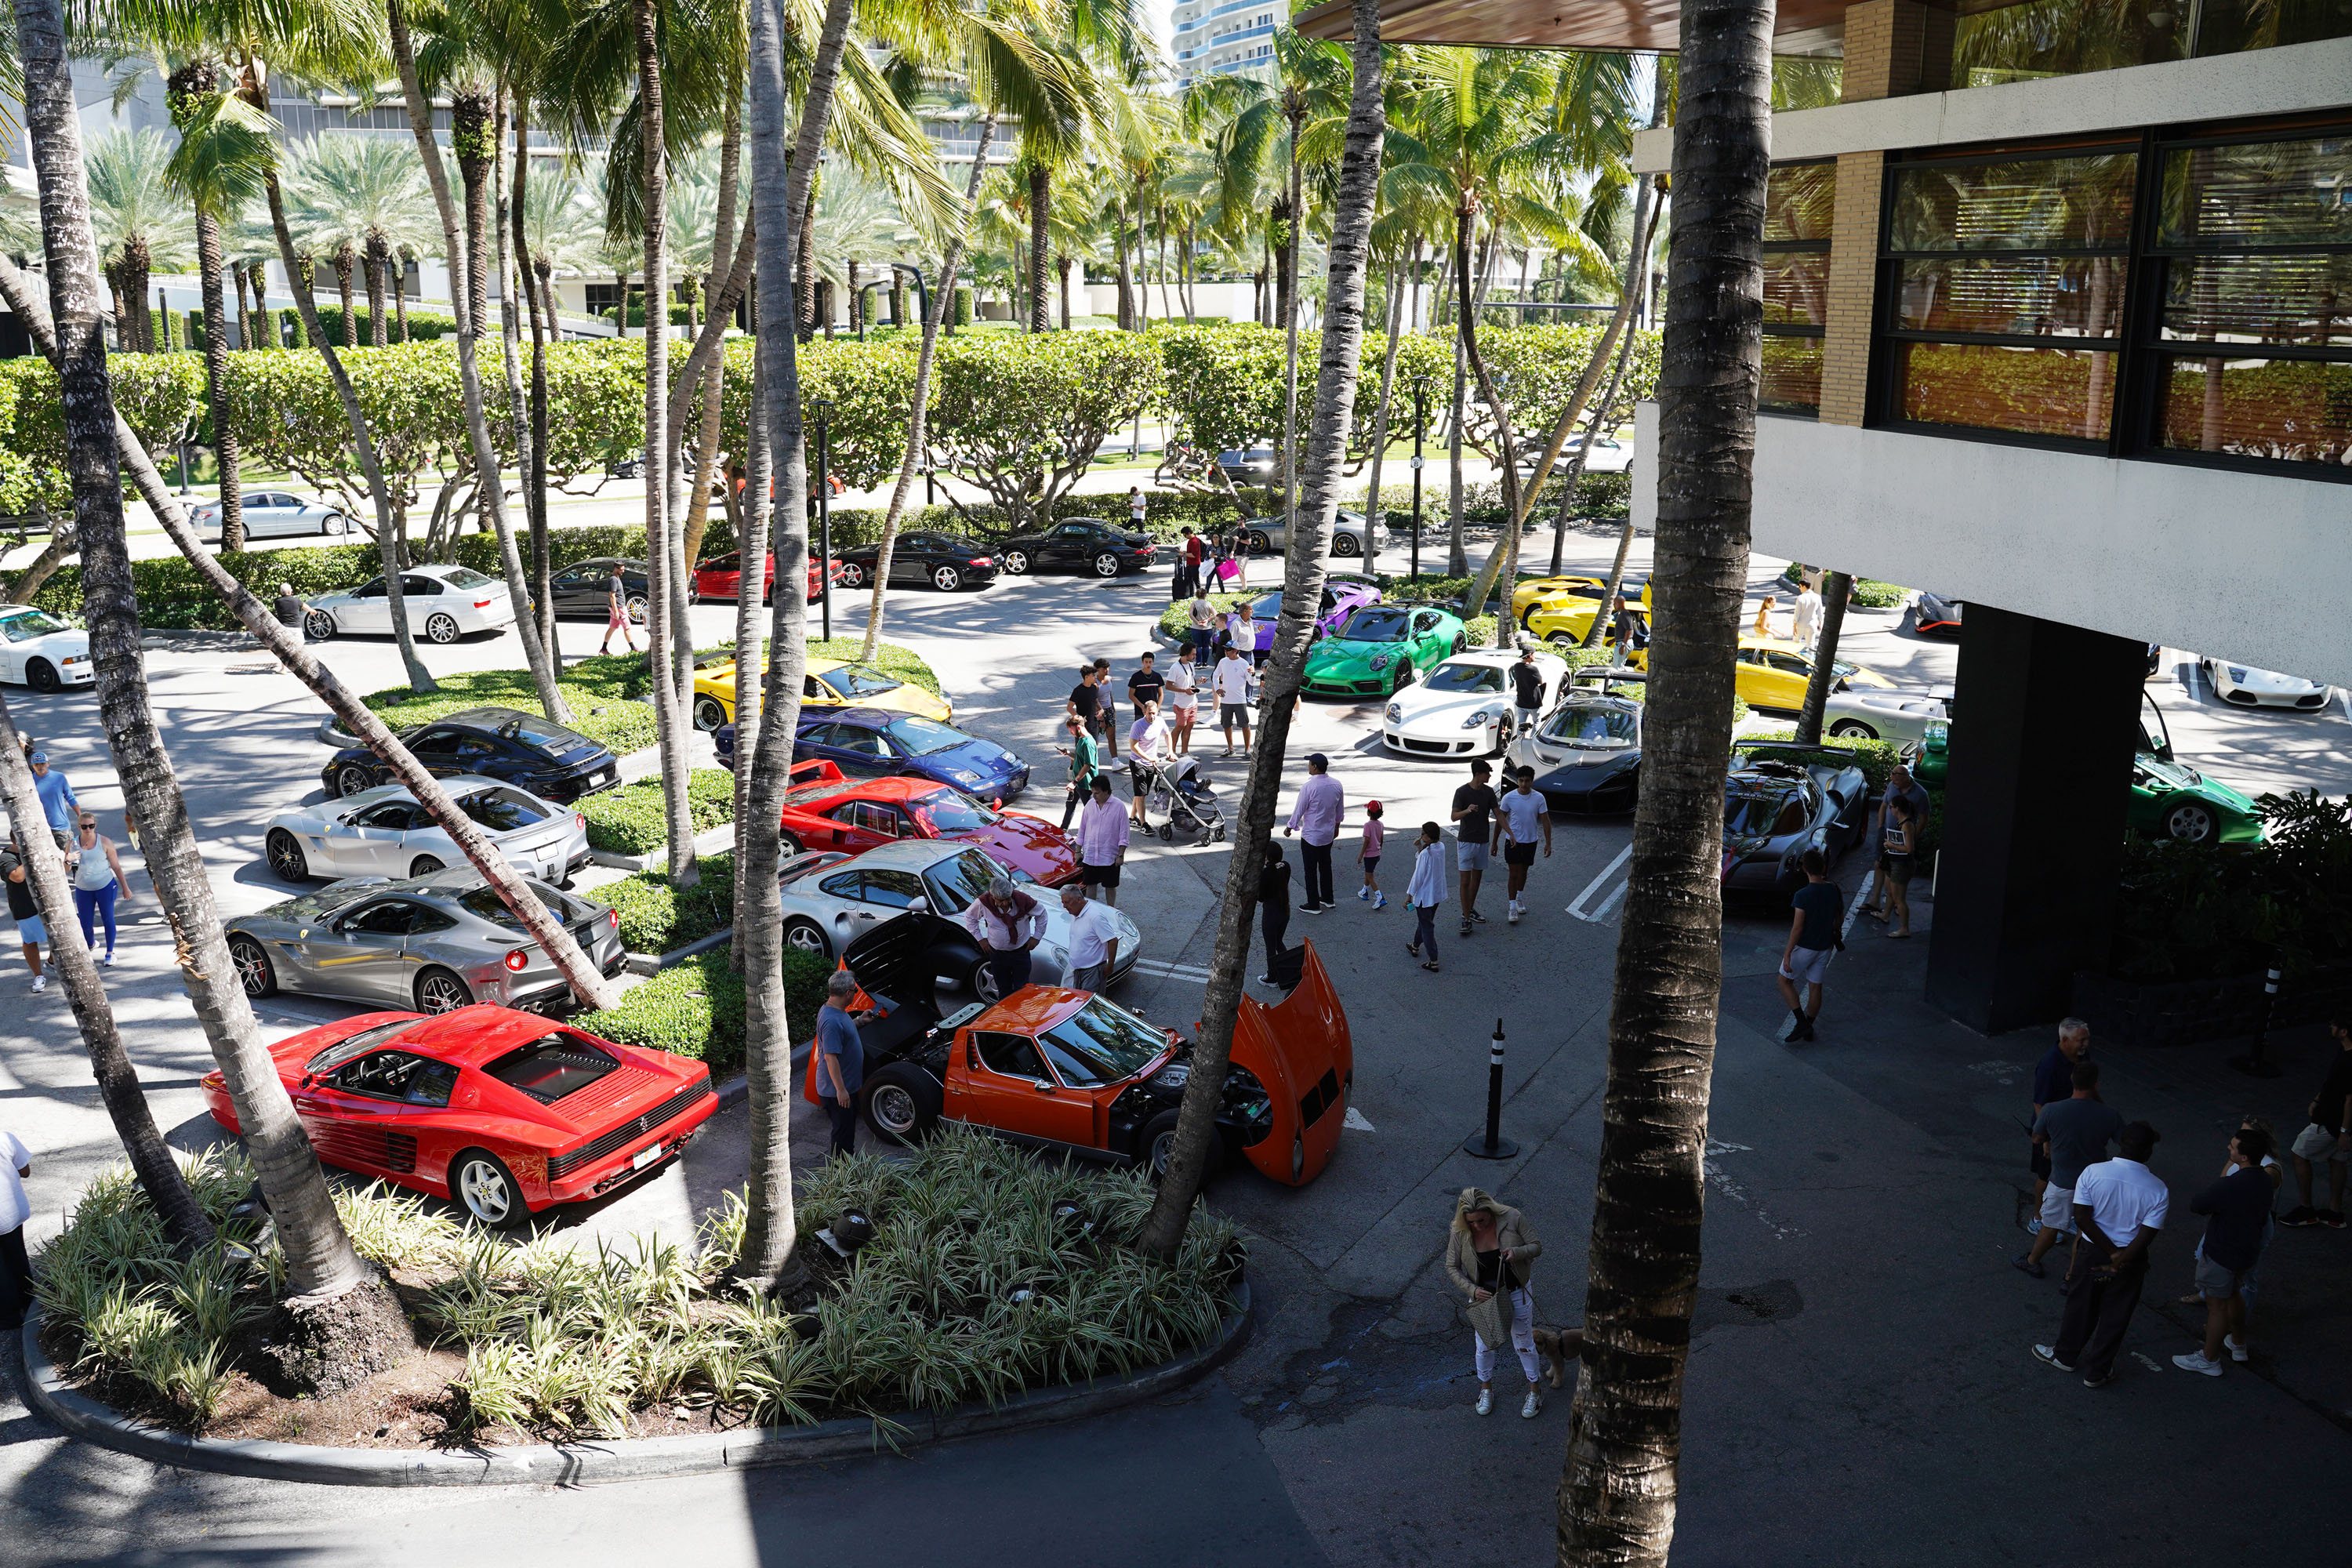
1587,752
1780,800
428,943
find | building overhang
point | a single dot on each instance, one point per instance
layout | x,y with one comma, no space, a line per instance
1800,27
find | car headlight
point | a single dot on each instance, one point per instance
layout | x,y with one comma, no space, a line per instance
965,777
1395,714
1380,661
1478,721
2237,672
77,659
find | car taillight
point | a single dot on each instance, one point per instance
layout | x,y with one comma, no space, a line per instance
481,603
612,919
984,560
580,822
517,959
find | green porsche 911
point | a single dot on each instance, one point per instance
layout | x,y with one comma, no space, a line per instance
1381,647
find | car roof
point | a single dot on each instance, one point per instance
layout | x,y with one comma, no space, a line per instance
438,568
863,718
914,854
1778,645
1501,657
483,717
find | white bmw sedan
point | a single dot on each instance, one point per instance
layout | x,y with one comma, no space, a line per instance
38,650
384,832
443,604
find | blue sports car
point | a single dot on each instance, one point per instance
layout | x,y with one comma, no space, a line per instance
872,743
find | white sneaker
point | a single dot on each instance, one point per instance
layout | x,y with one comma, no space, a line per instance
1534,1404
107,959
40,982
2237,1347
1485,1402
2195,1362
1515,911
2034,1227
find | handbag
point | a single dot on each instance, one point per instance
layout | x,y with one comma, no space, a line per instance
1490,1319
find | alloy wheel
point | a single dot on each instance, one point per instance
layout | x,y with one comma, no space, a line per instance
893,1110
484,1189
441,627
441,991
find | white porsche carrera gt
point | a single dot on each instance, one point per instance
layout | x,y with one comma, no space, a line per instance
1462,708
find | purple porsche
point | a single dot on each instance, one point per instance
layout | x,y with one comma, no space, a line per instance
1342,595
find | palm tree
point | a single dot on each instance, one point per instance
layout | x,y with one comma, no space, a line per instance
1334,412
1617,1493
141,225
322,1266
361,198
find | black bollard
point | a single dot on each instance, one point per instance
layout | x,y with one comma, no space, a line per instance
1490,1143
2256,1061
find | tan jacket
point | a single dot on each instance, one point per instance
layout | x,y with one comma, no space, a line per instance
1510,1232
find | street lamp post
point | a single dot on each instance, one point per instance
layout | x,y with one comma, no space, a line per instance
823,409
1419,425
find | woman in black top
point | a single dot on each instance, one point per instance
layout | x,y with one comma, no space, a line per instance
1273,905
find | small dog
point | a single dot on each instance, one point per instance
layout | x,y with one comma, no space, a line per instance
1560,1349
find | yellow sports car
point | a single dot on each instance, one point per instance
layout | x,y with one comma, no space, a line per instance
1772,673
831,683
1539,593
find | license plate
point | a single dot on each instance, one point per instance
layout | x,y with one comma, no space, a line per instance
644,1156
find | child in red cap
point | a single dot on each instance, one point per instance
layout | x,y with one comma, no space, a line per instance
1369,854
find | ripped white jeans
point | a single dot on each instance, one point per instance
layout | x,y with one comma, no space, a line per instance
1523,1340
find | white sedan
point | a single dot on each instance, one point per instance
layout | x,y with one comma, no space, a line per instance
1862,714
2243,686
273,514
384,832
443,604
1462,708
38,650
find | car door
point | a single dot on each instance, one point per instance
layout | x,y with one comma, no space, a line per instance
849,828
367,610
476,752
357,952
1074,543
372,840
1783,678
910,564
369,1113
437,748
862,752
1427,646
1006,1085
578,590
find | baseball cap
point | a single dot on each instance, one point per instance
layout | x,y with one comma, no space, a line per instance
1318,759
38,759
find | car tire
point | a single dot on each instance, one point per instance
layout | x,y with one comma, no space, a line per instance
42,676
946,579
441,627
1106,565
319,625
2190,821
1155,1143
351,778
852,575
1346,544
286,858
439,991
424,866
636,608
481,1185
708,714
333,524
1853,730
1461,641
1258,542
254,969
1016,562
1562,639
806,936
901,1104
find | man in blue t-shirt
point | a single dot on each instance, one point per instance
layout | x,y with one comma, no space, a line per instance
1813,935
2053,1080
842,1056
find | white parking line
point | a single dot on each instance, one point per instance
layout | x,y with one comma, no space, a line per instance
2188,674
1355,1121
1576,905
1859,899
1169,971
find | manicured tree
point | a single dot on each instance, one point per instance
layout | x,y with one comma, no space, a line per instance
1618,1489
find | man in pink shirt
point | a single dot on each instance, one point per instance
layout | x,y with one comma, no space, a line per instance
1102,841
1315,817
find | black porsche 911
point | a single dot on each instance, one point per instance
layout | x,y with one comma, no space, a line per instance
1085,544
921,559
1780,800
551,762
581,589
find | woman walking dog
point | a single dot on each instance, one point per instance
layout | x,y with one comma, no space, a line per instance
1489,1255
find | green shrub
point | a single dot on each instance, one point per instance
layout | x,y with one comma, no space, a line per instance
695,1008
1875,758
889,657
601,697
630,820
1871,594
658,918
963,314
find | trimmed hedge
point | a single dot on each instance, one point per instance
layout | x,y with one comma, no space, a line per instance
695,1008
889,657
629,820
657,918
1869,592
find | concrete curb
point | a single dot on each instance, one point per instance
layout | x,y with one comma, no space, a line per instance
654,962
576,1464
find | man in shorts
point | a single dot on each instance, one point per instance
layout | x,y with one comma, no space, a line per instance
616,613
1526,693
1813,938
2328,1138
2075,1132
1522,816
1473,809
1102,841
1231,681
1183,698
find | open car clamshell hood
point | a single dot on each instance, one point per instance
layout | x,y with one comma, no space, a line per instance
1301,1049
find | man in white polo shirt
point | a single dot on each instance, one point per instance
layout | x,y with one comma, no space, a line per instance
2119,1206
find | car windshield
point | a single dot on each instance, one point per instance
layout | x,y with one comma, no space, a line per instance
483,903
1749,809
29,625
1463,677
1597,725
1375,623
1102,1043
949,813
957,882
720,564
922,737
854,681
466,578
538,731
553,1066
344,1049
502,811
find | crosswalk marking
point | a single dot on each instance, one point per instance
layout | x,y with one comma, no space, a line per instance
1169,971
1576,906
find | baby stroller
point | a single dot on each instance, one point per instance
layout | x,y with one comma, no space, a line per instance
1177,790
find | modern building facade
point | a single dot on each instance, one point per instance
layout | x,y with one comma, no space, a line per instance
1223,38
2057,321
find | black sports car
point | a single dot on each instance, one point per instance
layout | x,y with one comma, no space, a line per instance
1085,544
544,758
1780,800
940,561
1934,615
580,588
1587,752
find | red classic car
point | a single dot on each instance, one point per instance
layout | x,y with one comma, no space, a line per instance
721,577
503,1111
1074,1073
825,810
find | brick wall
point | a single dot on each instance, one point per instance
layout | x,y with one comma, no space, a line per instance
1854,266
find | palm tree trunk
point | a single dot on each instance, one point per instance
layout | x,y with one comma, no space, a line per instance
620,312
1502,563
318,1257
1335,403
399,283
475,146
1837,588
806,262
1618,1491
264,327
1290,253
1126,284
489,476
514,282
1374,516
918,400
378,258
117,1082
208,269
135,269
1040,241
1457,558
779,180
1576,476
751,548
533,461
345,259
1062,275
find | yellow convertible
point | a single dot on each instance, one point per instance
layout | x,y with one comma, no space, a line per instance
1552,593
1772,673
831,683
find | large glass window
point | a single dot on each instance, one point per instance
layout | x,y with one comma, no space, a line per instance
2253,335
2068,37
1800,203
2003,294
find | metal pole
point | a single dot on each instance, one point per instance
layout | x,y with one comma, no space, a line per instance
1419,425
825,513
2256,1061
1489,1142
928,498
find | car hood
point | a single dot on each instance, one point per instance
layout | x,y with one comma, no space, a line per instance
975,755
2249,678
1894,702
1300,1051
73,639
1026,841
1580,769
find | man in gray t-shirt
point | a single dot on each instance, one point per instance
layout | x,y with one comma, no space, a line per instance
2077,1132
